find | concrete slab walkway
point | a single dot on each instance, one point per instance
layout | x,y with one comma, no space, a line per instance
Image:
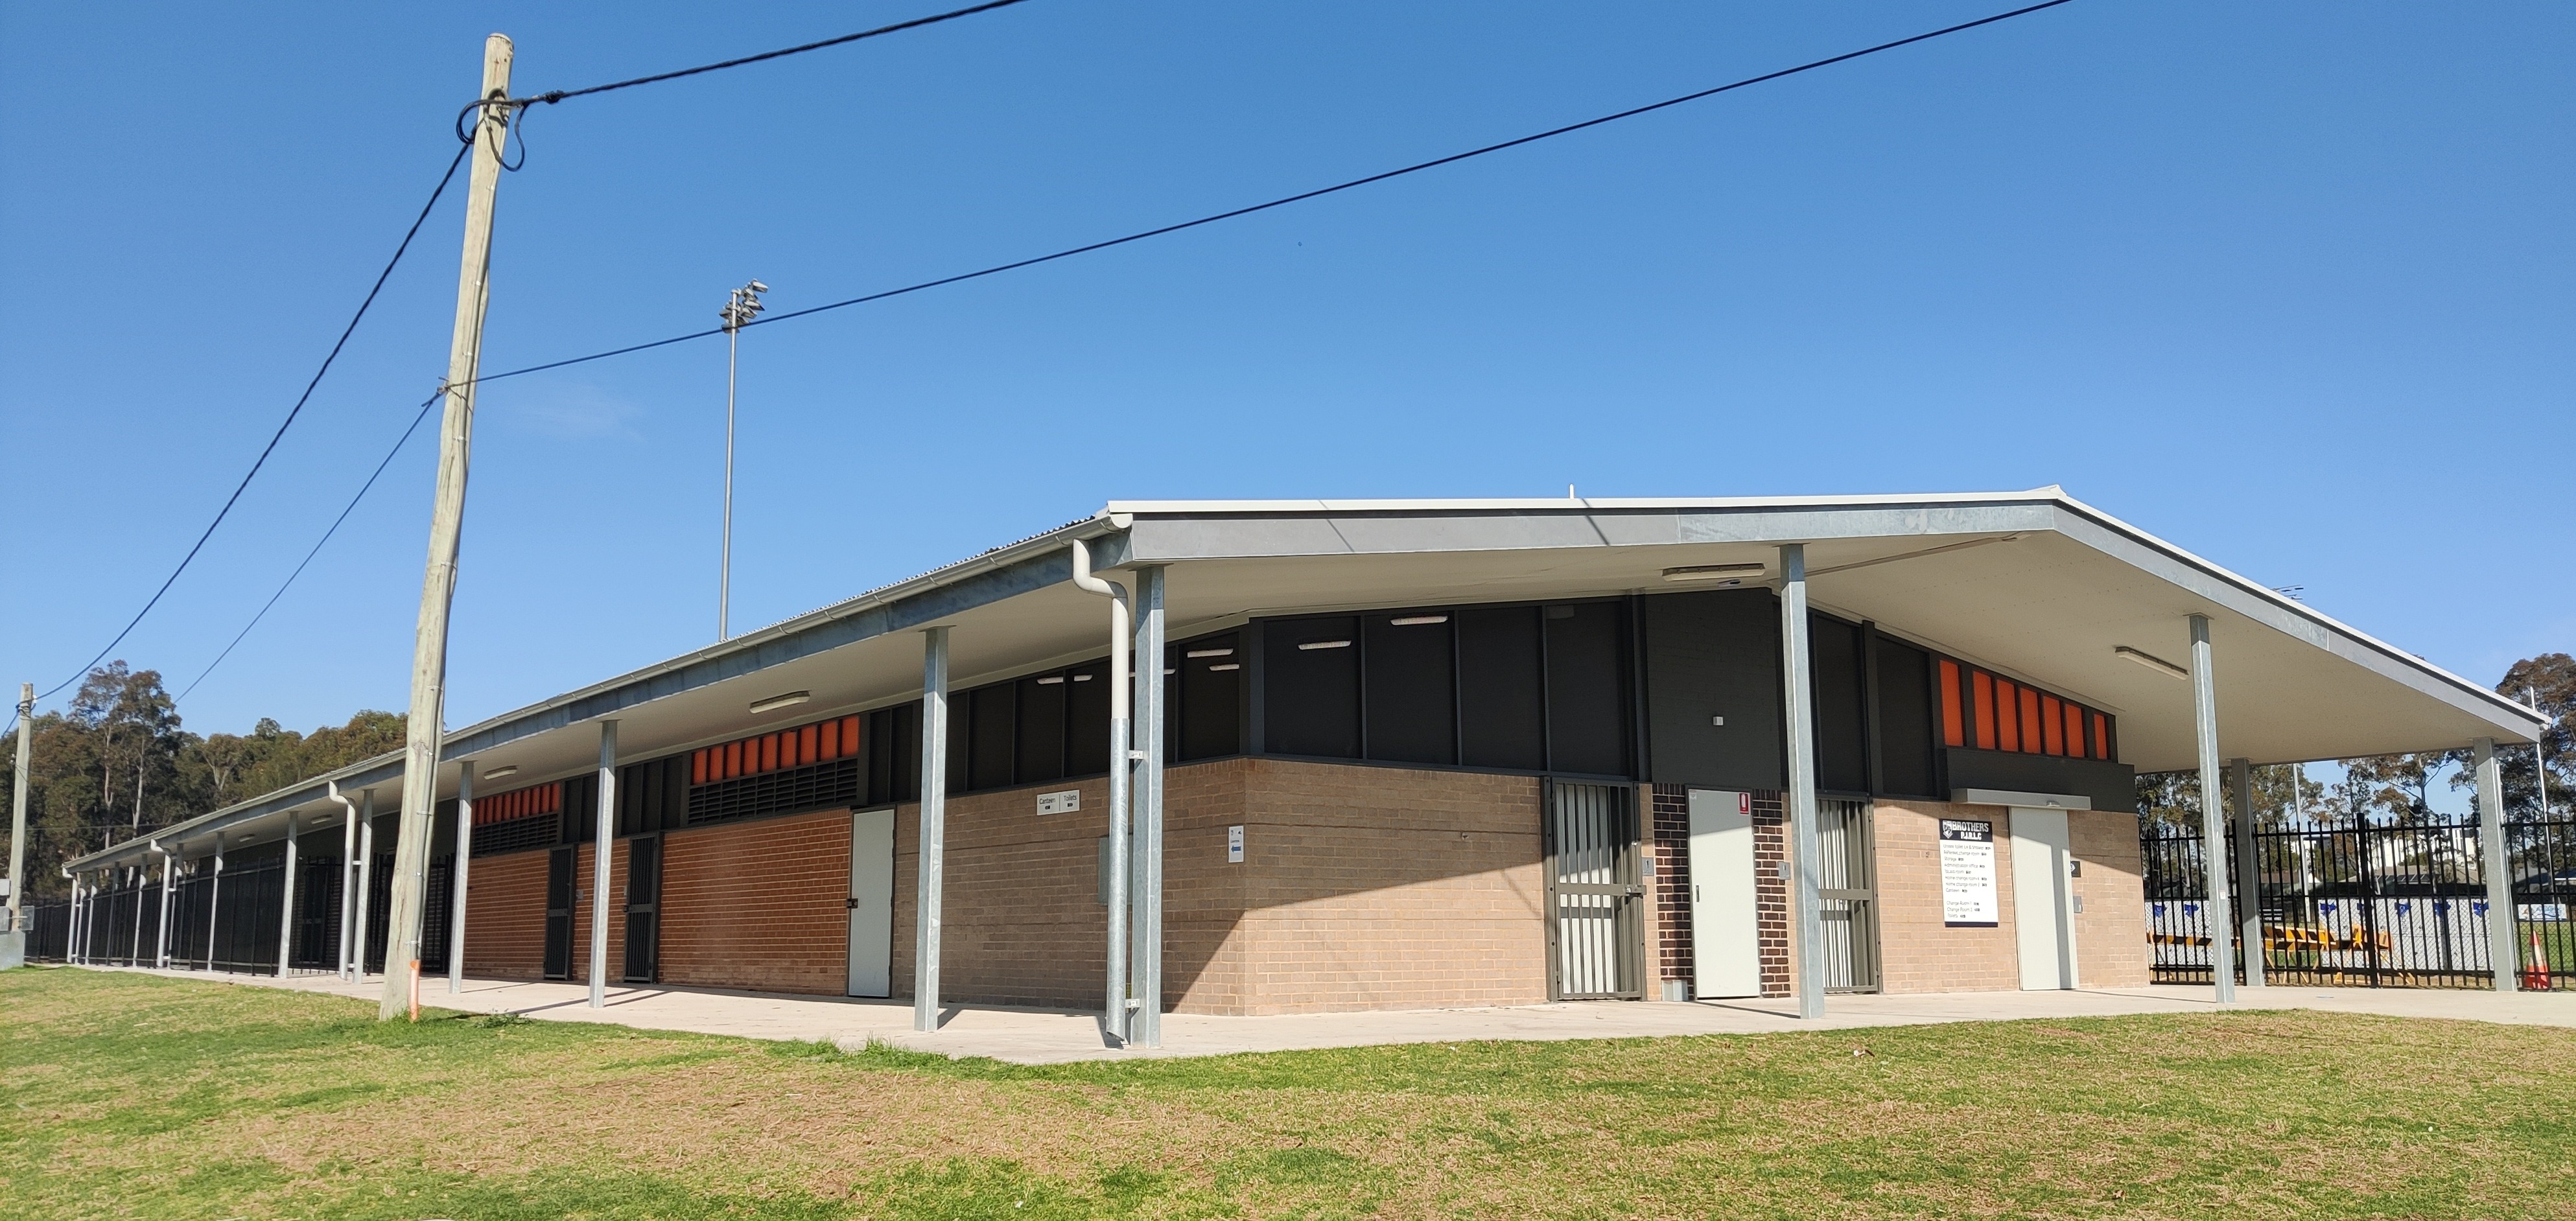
1047,1036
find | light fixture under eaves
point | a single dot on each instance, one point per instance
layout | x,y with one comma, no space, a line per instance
1419,620
511,769
1714,572
2152,662
775,702
1231,665
1312,645
1211,652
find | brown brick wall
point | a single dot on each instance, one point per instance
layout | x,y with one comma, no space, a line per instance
1917,953
1670,940
1022,922
2111,932
1668,904
1383,888
1771,891
761,905
505,916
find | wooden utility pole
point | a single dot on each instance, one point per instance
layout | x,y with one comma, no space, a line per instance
447,520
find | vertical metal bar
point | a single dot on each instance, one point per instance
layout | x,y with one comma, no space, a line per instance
18,811
161,941
2213,818
286,904
2249,874
934,835
348,886
2502,955
464,852
1147,793
2369,922
1799,684
366,864
603,839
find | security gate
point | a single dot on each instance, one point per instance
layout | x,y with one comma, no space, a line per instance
560,864
1596,933
1847,882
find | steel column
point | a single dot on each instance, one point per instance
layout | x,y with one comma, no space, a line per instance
464,853
286,917
934,817
2502,954
2213,815
1798,681
366,866
161,939
215,901
1146,1028
2249,874
603,838
348,883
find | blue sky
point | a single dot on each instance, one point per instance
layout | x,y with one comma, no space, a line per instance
2286,284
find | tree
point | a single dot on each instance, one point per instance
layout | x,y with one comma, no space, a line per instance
2550,681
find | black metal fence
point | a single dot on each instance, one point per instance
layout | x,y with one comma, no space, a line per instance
230,922
2380,904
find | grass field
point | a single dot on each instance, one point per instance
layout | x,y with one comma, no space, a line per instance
147,1097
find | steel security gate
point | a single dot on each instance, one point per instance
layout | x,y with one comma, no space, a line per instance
1596,925
1847,885
559,898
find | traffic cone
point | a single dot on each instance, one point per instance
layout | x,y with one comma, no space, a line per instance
2535,975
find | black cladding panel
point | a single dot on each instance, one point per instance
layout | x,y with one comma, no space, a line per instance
990,715
1311,680
1086,720
1905,724
1412,691
1502,686
1209,703
894,754
1842,740
1587,689
1039,742
1714,654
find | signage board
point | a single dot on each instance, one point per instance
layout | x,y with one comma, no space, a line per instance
1968,873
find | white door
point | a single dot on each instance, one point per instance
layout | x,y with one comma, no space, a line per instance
1726,945
2042,915
872,903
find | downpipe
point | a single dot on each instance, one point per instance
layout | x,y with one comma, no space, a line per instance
1115,1003
348,878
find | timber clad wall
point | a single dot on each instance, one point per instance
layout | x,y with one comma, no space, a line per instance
2110,942
1918,952
505,916
581,881
760,905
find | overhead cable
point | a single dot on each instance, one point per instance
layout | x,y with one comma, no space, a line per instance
280,434
1284,200
345,510
557,95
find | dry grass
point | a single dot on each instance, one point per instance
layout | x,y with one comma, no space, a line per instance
137,1096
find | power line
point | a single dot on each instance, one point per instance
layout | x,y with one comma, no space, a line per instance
280,434
345,510
552,96
1286,200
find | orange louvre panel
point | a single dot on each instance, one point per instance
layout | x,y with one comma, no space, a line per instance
2029,721
2052,725
698,766
809,743
2007,720
2074,716
790,743
2101,736
769,753
1985,699
1952,732
850,735
733,760
827,740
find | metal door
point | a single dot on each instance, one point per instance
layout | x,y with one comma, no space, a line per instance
871,903
1847,884
643,907
559,871
2043,919
1596,941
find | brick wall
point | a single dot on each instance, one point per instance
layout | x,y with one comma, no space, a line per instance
1021,919
1668,898
2111,932
505,916
1917,953
1771,891
761,905
1381,888
1669,945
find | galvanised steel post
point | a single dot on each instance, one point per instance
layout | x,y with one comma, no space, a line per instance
1115,1007
161,939
2502,954
1146,1030
286,920
934,838
1799,682
2213,815
18,808
2249,874
215,901
603,838
366,879
464,854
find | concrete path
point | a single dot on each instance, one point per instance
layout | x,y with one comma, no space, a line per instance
1046,1036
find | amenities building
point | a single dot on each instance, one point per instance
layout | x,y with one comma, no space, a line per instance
1388,754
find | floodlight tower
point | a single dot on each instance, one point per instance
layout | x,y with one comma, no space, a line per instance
737,314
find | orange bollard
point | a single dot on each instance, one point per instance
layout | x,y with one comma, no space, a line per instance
2535,975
